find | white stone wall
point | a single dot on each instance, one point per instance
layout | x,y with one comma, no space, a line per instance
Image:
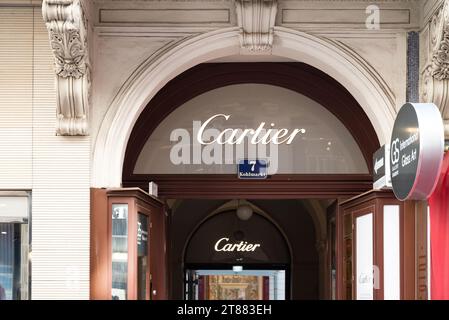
124,39
56,169
61,190
16,114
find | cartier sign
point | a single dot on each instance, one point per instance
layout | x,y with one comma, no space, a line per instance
259,135
224,245
213,142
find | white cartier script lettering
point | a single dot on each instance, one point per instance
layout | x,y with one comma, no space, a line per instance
259,135
204,144
224,245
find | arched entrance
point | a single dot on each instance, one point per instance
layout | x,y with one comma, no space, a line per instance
227,257
346,67
344,100
296,77
287,93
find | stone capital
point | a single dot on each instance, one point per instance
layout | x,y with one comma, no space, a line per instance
67,29
256,19
435,72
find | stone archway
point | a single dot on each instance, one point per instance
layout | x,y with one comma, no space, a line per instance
340,63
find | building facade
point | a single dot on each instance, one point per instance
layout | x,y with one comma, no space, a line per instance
99,98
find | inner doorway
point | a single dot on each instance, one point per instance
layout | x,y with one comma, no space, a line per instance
238,283
213,243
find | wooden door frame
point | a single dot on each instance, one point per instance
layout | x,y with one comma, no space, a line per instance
138,201
283,186
409,244
154,208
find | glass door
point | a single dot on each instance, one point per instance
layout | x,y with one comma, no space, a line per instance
235,285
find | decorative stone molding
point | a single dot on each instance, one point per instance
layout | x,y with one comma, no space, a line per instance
435,74
256,20
67,28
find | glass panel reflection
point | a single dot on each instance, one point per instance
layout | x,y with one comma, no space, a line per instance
14,252
327,147
142,256
364,257
119,251
14,247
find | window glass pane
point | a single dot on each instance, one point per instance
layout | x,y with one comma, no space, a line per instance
326,147
119,251
14,209
392,288
364,252
14,248
142,256
13,261
229,285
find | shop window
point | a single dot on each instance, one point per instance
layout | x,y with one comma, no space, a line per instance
119,251
134,275
324,147
14,246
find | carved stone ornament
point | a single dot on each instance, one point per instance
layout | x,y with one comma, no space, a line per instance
256,20
435,75
67,30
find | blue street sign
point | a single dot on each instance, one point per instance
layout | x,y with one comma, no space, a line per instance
252,169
